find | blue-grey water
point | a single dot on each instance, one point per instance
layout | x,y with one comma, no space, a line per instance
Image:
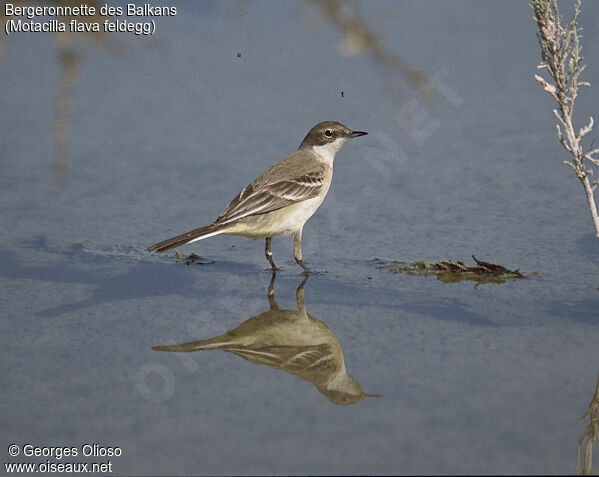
110,143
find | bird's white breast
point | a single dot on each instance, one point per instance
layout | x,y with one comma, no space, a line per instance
327,152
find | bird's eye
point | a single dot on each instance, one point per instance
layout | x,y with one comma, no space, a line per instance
328,133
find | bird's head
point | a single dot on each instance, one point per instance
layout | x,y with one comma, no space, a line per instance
328,137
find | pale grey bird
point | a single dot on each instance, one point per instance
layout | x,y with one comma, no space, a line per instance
282,199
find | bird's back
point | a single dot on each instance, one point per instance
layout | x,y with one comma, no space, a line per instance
299,163
295,178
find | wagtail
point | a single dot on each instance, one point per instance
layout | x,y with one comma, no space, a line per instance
282,199
292,341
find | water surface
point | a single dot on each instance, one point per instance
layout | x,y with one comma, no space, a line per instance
111,144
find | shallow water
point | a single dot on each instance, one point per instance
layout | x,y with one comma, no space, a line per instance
112,144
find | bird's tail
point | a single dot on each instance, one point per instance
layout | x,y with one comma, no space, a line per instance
218,342
188,237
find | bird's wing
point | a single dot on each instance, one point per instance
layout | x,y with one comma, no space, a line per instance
261,197
293,359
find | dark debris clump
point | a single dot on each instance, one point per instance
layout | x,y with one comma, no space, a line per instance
448,271
191,258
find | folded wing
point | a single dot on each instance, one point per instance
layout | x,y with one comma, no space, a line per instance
262,198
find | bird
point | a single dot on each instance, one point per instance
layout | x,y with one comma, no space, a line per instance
282,198
289,340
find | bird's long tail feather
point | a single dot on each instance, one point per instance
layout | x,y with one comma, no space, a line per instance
188,237
218,342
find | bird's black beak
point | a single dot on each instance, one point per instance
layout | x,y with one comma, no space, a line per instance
357,133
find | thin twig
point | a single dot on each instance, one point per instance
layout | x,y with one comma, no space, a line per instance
561,54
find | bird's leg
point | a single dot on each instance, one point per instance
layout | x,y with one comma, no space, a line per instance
299,295
297,250
268,253
271,293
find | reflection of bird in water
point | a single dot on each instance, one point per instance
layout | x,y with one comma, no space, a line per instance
290,340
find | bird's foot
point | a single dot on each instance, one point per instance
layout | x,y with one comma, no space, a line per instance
303,265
